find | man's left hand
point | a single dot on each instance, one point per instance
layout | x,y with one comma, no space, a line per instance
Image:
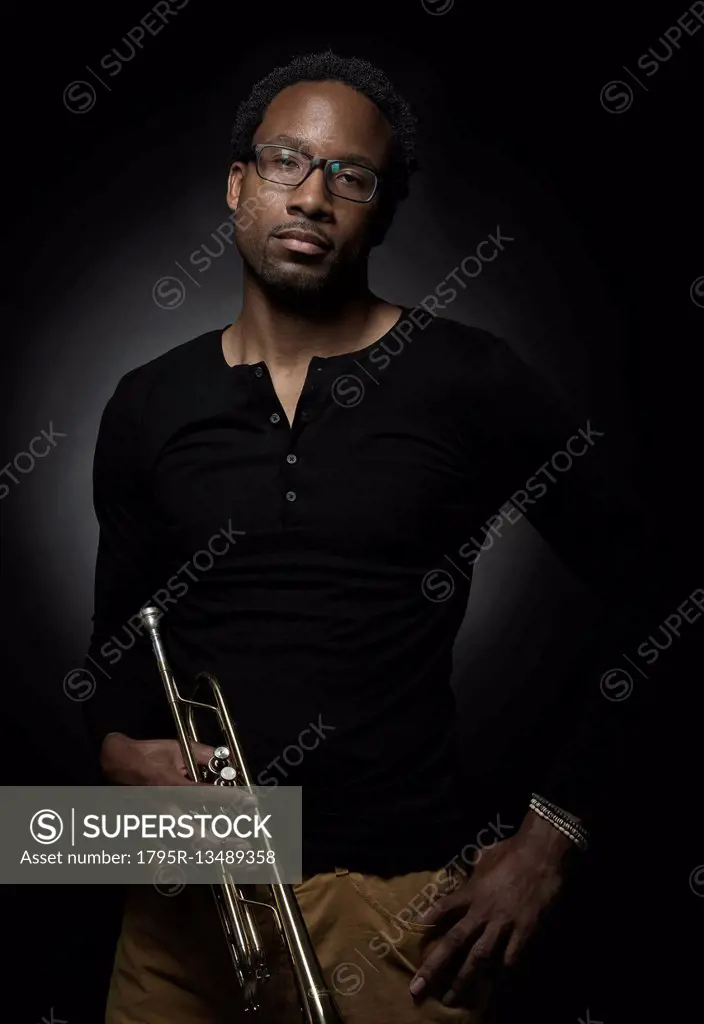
496,910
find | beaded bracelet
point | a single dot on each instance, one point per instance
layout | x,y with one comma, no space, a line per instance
563,821
559,811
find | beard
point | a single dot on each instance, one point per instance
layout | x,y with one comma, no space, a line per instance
298,285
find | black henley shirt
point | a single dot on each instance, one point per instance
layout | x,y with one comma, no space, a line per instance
308,566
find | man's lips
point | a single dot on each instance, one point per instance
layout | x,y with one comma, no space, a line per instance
303,241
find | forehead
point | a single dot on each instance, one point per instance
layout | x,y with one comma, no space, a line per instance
331,117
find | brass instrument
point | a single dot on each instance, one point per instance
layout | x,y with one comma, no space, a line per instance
228,767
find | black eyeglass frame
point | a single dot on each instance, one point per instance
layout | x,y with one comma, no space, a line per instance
315,162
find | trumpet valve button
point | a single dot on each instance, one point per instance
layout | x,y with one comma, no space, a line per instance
221,753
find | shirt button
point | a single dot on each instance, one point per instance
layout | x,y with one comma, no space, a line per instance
258,372
291,459
274,417
304,415
291,495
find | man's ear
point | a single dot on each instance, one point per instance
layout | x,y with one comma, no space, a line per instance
234,184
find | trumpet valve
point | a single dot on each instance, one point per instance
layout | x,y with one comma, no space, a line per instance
219,760
227,776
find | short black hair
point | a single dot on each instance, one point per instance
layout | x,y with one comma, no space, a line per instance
355,72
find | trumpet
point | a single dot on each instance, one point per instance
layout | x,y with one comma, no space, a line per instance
228,767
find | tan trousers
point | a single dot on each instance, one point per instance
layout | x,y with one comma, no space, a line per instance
172,965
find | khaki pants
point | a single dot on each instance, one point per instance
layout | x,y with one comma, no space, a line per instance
172,965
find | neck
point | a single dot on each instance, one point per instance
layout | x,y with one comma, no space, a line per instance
287,335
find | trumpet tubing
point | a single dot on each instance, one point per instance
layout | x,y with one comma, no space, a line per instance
228,767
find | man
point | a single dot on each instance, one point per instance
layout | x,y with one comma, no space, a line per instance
339,447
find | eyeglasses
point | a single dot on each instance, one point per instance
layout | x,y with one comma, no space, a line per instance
290,167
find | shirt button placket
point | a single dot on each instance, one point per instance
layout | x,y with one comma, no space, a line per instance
291,459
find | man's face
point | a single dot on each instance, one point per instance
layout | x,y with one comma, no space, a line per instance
325,119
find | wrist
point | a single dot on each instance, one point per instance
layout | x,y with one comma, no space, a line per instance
111,745
114,738
541,836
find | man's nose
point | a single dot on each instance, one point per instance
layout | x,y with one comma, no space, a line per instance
311,196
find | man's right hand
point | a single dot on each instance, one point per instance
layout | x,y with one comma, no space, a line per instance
131,762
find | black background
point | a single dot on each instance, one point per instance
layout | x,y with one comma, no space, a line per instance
606,210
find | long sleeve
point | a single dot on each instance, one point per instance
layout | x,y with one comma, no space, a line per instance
126,576
565,483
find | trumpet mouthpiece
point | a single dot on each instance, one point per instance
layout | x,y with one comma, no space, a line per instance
150,616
